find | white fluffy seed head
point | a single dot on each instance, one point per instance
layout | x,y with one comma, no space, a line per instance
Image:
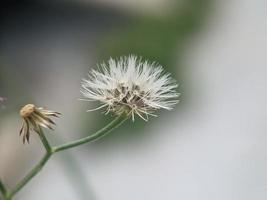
130,85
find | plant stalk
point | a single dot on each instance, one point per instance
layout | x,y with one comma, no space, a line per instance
97,135
3,189
51,150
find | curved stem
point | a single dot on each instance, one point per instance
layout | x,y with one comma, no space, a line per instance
99,134
51,150
74,173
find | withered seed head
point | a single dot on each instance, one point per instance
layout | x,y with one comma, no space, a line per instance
34,118
27,110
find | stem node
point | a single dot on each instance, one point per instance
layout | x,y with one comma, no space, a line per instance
51,150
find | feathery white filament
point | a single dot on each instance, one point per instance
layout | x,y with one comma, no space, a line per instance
130,85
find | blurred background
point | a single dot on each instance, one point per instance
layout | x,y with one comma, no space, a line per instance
211,146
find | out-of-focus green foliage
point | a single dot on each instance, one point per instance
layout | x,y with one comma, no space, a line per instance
160,39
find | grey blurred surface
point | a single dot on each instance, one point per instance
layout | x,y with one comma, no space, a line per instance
214,149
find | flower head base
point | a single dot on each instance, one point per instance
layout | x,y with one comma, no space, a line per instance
132,86
34,118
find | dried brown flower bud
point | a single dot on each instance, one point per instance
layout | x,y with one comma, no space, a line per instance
27,110
34,118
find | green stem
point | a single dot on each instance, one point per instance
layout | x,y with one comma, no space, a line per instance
3,189
99,134
31,174
45,141
51,150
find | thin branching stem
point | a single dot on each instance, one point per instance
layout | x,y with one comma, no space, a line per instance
3,189
45,142
37,168
51,150
97,135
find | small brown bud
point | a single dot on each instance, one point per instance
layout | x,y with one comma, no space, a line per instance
27,110
34,118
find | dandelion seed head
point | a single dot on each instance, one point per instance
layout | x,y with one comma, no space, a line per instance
130,85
